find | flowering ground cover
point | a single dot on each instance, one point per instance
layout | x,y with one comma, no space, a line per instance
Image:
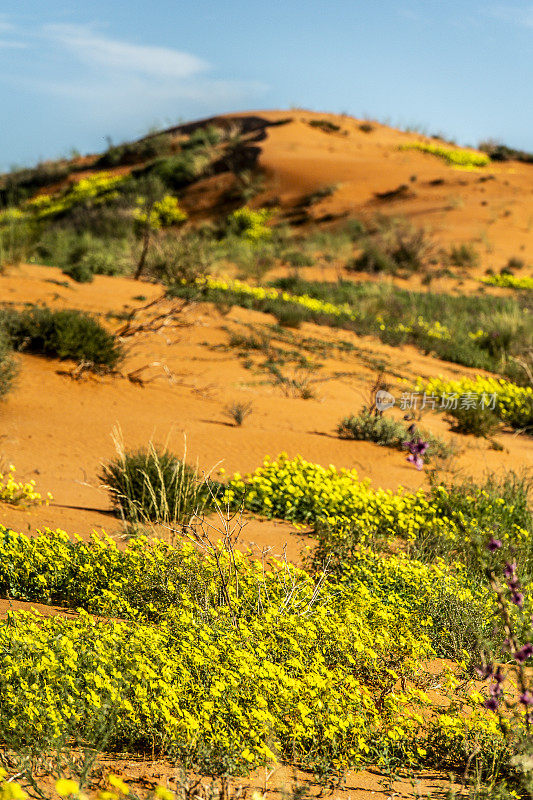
224,663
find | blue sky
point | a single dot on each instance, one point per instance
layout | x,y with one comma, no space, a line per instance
73,73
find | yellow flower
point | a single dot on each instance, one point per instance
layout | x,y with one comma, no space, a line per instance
163,793
119,784
66,787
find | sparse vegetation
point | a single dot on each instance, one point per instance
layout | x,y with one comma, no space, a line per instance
394,315
8,368
463,255
393,246
372,426
325,125
500,152
238,412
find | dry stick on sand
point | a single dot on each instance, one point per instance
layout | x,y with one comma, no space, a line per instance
228,529
156,323
135,376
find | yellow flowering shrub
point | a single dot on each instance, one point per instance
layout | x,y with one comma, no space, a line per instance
510,281
98,188
454,156
162,214
19,493
513,404
251,223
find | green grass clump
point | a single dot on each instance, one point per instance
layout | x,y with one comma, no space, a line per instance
454,156
463,255
65,333
153,485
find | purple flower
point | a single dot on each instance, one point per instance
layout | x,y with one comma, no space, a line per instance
416,448
518,599
526,651
492,703
526,698
494,544
415,460
510,571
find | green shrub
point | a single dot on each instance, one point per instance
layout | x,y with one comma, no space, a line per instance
84,252
373,260
238,412
476,421
153,485
65,333
18,236
206,137
7,365
79,273
178,171
290,316
295,258
370,427
354,229
180,259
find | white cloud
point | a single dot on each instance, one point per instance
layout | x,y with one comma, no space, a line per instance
115,55
519,15
112,80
